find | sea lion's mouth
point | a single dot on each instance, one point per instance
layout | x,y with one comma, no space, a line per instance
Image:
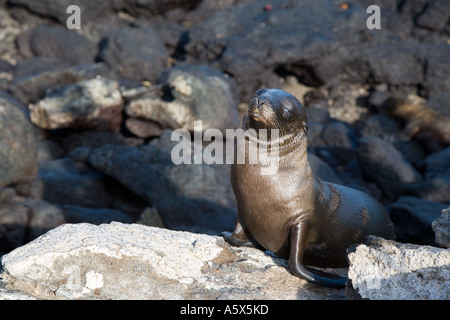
257,116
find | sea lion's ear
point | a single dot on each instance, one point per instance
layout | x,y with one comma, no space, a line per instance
260,92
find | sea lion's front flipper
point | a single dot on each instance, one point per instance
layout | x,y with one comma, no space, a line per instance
297,241
240,237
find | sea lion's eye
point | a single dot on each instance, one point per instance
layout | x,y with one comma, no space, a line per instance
286,112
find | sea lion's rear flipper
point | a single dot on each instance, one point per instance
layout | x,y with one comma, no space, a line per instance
297,241
240,237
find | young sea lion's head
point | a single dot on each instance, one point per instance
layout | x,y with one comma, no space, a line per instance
276,109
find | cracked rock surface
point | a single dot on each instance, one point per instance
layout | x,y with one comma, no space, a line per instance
121,261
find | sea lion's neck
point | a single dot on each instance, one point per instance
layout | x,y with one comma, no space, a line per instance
289,150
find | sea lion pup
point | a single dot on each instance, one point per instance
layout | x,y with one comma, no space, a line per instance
292,213
429,127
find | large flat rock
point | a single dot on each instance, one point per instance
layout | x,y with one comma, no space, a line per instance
130,261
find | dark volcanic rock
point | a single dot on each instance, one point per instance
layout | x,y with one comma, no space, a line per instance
5,66
412,218
435,15
135,53
439,102
78,214
44,216
13,222
66,182
61,43
34,77
188,197
24,219
402,68
380,125
150,8
95,139
438,64
18,154
438,165
432,190
37,65
249,42
436,187
331,44
385,165
57,9
339,134
441,228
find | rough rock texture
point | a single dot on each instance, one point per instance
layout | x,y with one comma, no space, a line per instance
95,103
384,164
77,214
24,219
150,8
383,269
7,294
143,128
18,154
119,261
191,93
437,165
441,227
332,42
57,9
413,218
13,221
188,197
185,60
31,82
67,182
135,53
61,43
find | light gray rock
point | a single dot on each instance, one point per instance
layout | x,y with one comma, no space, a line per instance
441,227
387,270
190,93
6,294
95,103
119,261
30,85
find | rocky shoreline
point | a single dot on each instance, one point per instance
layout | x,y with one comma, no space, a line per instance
86,115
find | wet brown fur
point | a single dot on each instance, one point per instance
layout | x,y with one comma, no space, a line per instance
426,125
271,208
